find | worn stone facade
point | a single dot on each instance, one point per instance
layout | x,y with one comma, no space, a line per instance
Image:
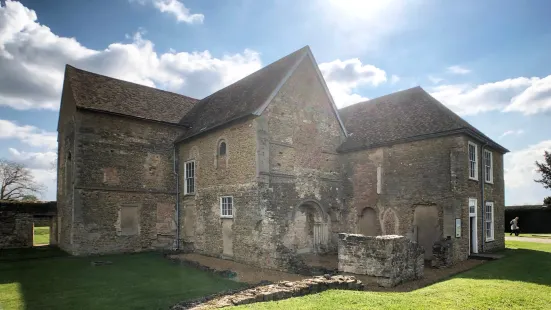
256,172
286,193
202,227
392,259
118,164
423,188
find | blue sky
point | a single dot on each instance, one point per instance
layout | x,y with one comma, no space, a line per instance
486,60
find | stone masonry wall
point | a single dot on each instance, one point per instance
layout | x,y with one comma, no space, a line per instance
16,222
202,228
419,193
124,185
65,168
391,259
298,170
16,230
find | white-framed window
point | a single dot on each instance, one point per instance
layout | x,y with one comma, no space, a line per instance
189,177
488,167
472,206
473,161
226,207
489,221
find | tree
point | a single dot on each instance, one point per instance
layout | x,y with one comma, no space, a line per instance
29,198
16,181
545,169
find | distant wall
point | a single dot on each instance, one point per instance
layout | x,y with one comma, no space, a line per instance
17,218
532,219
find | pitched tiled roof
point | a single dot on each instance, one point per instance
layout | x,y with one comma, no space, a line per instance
242,98
102,93
403,116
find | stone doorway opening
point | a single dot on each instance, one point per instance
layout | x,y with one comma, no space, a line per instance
309,229
41,231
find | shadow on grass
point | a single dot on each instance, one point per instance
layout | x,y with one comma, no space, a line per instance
130,281
30,253
525,265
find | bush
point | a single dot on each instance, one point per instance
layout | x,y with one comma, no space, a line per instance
547,201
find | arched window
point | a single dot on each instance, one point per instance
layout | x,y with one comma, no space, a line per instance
222,149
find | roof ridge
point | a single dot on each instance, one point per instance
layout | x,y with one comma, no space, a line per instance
256,72
245,96
381,97
125,81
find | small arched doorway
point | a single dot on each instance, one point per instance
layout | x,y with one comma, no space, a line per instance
309,228
368,222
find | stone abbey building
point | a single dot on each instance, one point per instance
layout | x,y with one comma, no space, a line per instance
267,168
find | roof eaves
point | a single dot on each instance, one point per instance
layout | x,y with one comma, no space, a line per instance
483,138
174,124
340,149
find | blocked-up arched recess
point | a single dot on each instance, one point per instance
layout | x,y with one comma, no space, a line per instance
368,223
390,222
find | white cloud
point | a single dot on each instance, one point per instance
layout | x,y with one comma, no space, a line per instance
458,70
465,99
174,7
179,10
32,61
520,173
29,135
394,79
536,98
360,25
434,79
35,160
48,179
343,77
511,133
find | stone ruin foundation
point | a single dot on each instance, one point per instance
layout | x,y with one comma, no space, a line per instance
391,259
272,292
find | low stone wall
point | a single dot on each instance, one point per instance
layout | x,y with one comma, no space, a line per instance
272,292
442,252
16,230
16,222
391,259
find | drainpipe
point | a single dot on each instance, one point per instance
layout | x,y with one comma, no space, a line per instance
482,200
177,198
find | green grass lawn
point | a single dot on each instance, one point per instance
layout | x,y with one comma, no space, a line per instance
529,235
41,235
522,280
134,281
